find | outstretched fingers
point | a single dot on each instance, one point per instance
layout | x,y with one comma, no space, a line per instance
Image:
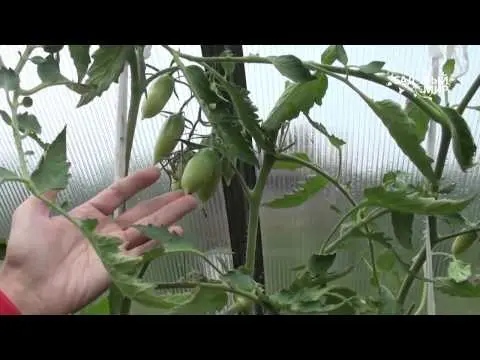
167,215
122,190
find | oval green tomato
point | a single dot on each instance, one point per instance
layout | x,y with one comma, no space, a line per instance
171,132
199,171
208,189
158,96
462,243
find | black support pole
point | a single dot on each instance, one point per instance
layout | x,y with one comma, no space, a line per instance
235,201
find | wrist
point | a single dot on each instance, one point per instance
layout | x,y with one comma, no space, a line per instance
18,292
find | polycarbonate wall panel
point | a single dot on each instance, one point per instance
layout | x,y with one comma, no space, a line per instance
91,147
291,235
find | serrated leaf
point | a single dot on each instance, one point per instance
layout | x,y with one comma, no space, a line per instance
402,226
288,165
291,67
81,59
51,172
459,271
386,261
240,280
3,248
463,142
449,67
297,98
29,123
372,67
466,289
7,175
49,70
329,55
420,118
230,130
122,269
9,79
168,242
403,201
199,84
108,64
246,112
304,191
404,131
318,264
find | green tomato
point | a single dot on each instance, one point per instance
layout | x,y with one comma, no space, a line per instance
208,189
158,96
462,243
200,171
171,132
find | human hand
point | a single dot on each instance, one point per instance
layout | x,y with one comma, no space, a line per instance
50,268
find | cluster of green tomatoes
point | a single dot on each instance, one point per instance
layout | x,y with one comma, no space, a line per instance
198,172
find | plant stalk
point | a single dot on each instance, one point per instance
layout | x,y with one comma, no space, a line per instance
442,155
253,212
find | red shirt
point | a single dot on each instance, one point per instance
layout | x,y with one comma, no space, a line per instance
7,307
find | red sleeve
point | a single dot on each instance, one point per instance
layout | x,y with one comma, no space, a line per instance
6,306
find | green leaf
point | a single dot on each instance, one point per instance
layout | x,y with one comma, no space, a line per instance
7,175
296,98
455,219
318,264
372,67
29,123
420,118
52,170
459,271
123,268
336,142
466,289
240,281
37,60
99,306
3,248
201,301
230,130
335,298
246,112
402,227
304,191
49,70
200,86
9,79
108,63
329,55
5,117
168,242
403,201
341,54
291,67
404,131
288,165
81,58
463,142
386,261
449,67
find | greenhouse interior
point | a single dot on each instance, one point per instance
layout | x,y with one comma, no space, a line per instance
240,179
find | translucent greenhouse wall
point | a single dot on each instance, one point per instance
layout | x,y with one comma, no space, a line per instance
290,235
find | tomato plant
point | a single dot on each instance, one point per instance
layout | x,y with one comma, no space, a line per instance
197,162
